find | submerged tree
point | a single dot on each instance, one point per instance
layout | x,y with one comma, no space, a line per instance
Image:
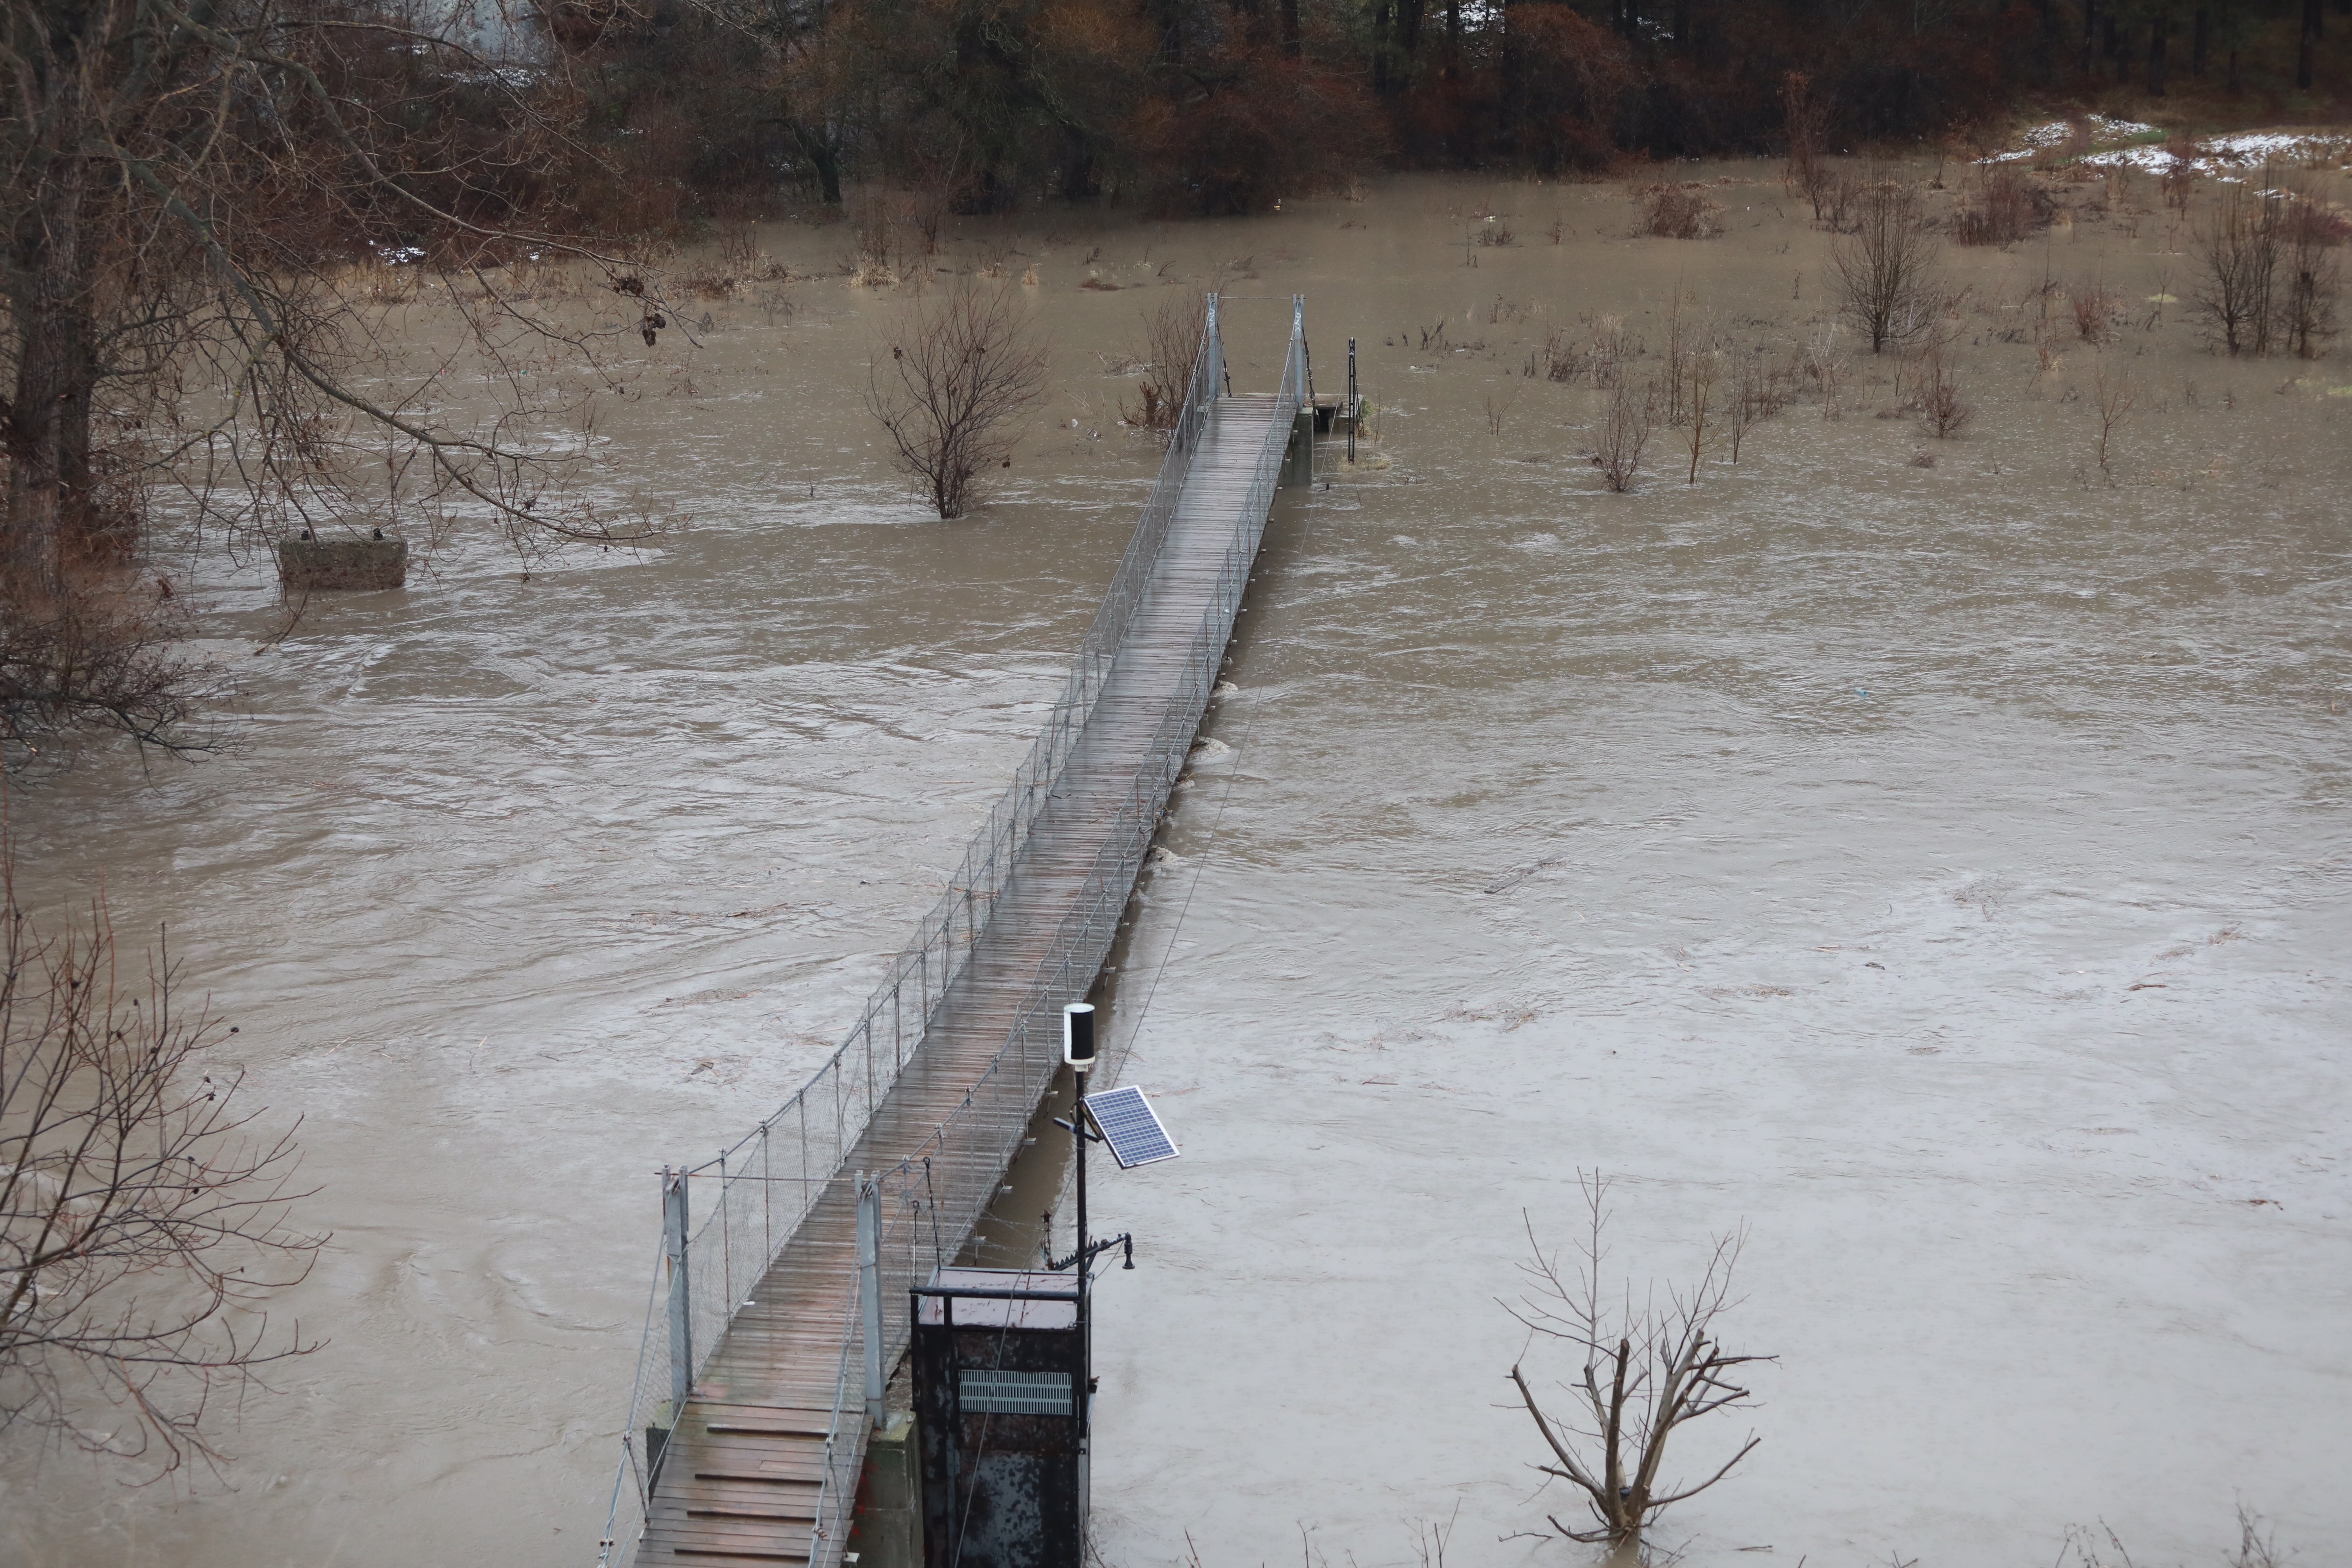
143,1210
2238,250
1647,1371
1886,266
961,372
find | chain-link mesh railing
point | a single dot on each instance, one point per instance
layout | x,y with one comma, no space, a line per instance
754,1195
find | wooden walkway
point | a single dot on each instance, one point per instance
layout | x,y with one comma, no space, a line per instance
739,1481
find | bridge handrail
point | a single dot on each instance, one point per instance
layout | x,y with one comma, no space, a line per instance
750,1224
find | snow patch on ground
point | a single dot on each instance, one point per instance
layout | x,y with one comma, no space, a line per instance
2221,157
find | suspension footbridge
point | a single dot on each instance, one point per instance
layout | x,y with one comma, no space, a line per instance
748,1419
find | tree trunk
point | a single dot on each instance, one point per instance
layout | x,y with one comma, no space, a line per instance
2306,48
2090,32
1380,47
1290,28
2156,45
1408,27
52,518
2200,28
825,158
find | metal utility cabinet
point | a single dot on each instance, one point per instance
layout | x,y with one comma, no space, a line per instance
1001,1395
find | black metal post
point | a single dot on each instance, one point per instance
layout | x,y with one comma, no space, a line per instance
1078,1051
1352,405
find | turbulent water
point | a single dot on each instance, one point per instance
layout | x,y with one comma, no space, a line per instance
1942,872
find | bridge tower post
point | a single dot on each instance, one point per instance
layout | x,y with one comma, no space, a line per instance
681,1300
869,1293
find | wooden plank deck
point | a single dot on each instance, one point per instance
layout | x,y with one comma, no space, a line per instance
740,1482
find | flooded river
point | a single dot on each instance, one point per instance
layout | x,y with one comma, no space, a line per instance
1943,871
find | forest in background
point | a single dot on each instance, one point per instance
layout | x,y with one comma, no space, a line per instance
1222,106
204,201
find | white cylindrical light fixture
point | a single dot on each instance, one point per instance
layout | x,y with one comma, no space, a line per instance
1078,1036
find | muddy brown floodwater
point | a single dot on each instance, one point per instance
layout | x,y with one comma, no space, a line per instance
1944,872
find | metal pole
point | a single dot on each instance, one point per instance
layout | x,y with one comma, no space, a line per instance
681,1318
1352,400
869,1292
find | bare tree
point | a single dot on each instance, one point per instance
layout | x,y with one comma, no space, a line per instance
1624,431
2314,276
1173,336
2238,247
1646,1371
1886,268
1757,393
143,1210
963,370
197,205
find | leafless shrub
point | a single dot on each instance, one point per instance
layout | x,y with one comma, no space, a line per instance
2094,305
1625,432
1698,400
1496,231
1886,270
1173,336
1840,193
1827,372
143,1210
2088,1548
1942,411
1498,412
97,655
1758,391
2006,214
1683,335
2178,182
2112,397
2257,1547
2238,246
1646,1373
1557,358
1677,212
962,369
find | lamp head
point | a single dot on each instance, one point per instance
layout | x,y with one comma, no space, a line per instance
1078,1036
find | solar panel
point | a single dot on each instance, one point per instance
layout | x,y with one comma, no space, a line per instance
1130,1127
